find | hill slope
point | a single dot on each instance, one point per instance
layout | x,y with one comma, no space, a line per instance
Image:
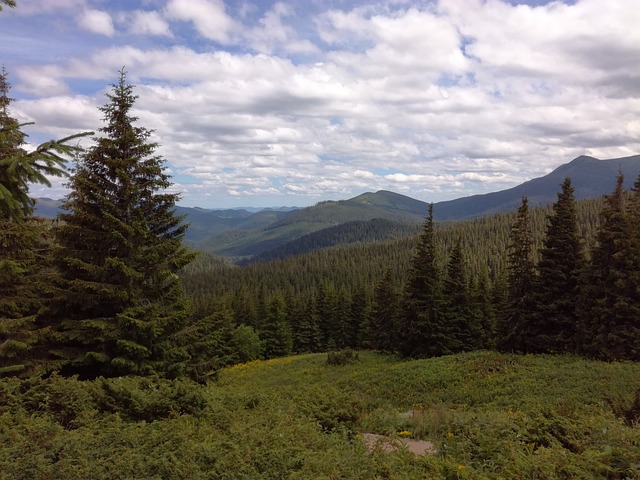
591,178
488,415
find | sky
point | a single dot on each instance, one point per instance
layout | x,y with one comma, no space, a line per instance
288,103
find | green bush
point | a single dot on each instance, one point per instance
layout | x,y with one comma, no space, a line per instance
489,416
342,357
149,399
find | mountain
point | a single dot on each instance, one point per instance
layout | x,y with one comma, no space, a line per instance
383,205
374,230
273,233
47,207
590,177
207,223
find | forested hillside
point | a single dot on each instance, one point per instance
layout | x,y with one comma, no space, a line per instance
489,273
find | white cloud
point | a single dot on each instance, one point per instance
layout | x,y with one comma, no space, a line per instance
208,16
148,23
96,21
273,34
436,101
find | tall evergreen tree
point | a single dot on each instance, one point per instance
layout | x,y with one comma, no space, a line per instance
425,330
24,248
483,310
557,285
306,333
120,248
610,299
466,328
516,317
385,315
276,331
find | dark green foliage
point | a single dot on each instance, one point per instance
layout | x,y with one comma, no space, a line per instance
557,285
276,331
375,230
147,399
610,294
25,276
424,328
484,304
306,332
19,168
73,403
120,249
209,342
383,328
516,318
246,344
342,357
458,302
499,416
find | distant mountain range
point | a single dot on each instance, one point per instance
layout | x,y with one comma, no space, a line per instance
275,233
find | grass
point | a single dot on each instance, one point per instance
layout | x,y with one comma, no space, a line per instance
490,416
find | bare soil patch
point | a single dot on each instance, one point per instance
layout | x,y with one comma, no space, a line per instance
374,441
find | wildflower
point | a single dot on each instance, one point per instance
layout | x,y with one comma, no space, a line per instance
461,467
450,434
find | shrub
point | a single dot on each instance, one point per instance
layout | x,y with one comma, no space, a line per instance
342,357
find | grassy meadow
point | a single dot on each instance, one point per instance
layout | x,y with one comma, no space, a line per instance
488,415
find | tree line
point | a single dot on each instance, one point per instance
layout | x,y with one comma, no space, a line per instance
514,282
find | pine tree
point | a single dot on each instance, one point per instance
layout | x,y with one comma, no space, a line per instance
385,316
209,342
466,329
24,248
483,310
425,331
516,318
19,168
306,334
557,285
120,249
357,315
276,331
610,294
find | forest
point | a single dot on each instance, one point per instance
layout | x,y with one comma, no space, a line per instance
107,319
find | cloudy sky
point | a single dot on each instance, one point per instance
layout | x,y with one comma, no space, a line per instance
261,103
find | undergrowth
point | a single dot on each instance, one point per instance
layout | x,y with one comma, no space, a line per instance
489,415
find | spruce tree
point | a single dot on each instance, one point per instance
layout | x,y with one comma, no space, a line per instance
24,240
557,285
610,294
385,315
120,250
425,331
466,328
276,331
483,309
19,168
306,334
517,315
